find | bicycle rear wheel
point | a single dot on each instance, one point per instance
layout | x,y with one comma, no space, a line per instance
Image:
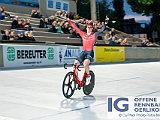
87,89
69,84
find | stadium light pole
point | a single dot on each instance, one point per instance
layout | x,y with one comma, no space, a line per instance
93,10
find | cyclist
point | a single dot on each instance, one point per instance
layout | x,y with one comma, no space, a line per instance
88,40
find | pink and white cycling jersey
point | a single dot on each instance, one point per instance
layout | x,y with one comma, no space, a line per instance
88,40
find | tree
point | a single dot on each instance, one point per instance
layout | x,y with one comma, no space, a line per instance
104,10
83,8
148,8
119,13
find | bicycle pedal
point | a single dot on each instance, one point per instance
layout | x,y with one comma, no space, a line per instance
79,88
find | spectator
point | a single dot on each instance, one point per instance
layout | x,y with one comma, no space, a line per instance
56,20
107,19
53,28
12,36
19,36
43,23
28,25
2,16
63,14
119,41
5,14
106,38
6,35
66,28
71,16
31,38
74,34
59,27
58,14
21,23
146,43
26,36
15,24
113,32
82,21
39,14
1,9
99,26
75,16
34,13
76,23
124,42
112,41
50,20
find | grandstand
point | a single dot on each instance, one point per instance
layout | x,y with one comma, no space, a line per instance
42,34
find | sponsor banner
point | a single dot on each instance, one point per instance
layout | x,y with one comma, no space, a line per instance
110,54
28,55
68,54
26,3
56,5
133,107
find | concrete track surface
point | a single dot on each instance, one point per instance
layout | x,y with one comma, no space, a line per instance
36,93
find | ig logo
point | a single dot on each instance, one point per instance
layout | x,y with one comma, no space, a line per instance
115,104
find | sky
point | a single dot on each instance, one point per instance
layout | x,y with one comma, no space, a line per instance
129,14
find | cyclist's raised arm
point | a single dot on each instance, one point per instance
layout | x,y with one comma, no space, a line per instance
75,27
103,28
100,31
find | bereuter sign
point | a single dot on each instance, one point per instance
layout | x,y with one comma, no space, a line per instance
28,55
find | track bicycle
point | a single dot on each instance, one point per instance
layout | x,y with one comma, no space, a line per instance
72,82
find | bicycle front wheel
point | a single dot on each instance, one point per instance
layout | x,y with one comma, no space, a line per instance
87,89
69,85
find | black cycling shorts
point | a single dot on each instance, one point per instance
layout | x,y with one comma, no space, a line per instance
85,55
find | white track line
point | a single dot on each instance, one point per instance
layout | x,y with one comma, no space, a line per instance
6,118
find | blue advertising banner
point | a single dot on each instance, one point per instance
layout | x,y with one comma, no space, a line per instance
57,5
50,4
26,3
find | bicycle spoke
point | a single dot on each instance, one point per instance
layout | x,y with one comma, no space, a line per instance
67,91
68,85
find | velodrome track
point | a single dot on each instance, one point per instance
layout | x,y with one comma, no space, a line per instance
35,93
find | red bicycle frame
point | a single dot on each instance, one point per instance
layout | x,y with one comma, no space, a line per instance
80,83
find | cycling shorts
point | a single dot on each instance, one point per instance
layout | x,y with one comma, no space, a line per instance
85,55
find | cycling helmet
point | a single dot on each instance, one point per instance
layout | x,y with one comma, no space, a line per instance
90,23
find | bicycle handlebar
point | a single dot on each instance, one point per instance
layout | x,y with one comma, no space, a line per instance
72,65
65,66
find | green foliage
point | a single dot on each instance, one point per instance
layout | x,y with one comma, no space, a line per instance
145,2
119,13
103,9
83,8
148,8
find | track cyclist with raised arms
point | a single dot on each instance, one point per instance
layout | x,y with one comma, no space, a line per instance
88,40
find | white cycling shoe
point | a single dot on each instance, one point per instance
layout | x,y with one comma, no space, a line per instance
88,80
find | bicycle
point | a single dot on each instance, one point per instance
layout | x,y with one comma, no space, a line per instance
72,82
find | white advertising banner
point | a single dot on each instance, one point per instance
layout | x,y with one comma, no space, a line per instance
68,54
29,55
